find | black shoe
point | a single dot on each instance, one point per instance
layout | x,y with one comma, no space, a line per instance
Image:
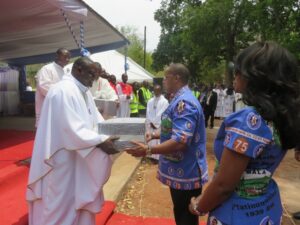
296,215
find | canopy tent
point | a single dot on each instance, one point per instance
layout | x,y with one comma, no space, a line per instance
32,30
114,63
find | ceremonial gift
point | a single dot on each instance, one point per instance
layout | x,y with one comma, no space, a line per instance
107,108
128,129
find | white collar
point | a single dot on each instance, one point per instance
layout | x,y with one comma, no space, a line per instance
57,65
81,87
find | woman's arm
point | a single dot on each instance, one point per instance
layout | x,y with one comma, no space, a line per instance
231,168
166,147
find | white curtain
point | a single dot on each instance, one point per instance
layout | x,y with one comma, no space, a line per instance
9,91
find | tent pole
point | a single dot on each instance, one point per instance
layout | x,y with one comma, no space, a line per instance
145,32
126,64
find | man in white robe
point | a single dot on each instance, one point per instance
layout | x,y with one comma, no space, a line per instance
101,88
47,76
124,92
155,107
70,161
220,103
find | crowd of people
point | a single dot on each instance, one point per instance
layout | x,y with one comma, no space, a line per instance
71,162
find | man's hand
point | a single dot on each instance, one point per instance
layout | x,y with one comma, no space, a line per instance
108,146
193,206
139,151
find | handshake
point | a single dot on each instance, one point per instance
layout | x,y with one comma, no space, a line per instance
113,145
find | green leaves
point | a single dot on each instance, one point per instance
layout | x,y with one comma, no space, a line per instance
208,35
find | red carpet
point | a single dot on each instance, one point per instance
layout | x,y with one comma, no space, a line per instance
15,146
122,219
12,196
106,213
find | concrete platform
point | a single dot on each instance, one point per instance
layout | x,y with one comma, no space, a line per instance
123,167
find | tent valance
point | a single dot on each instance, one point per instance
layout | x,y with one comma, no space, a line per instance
32,30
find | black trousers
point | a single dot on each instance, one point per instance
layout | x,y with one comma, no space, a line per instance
209,113
142,112
134,115
181,200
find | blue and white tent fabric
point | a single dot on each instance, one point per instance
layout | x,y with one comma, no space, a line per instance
32,30
114,62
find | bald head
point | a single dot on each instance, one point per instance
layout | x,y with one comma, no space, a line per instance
82,62
85,71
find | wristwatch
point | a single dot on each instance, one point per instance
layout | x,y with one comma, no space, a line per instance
148,151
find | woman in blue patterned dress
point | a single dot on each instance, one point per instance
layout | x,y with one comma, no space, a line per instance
252,142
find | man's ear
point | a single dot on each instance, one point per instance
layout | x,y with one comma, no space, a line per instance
177,77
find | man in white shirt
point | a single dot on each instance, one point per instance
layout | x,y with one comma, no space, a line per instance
124,92
70,161
101,88
47,76
155,107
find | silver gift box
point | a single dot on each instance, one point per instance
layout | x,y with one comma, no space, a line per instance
128,129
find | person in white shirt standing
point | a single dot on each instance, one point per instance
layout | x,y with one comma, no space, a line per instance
155,107
124,92
101,88
47,76
70,161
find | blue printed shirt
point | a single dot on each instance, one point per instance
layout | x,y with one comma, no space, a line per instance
256,200
183,122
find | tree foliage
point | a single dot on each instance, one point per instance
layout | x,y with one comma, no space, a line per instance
207,35
135,50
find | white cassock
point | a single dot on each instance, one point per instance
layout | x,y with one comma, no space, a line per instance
101,89
47,76
155,108
124,108
67,171
228,105
220,102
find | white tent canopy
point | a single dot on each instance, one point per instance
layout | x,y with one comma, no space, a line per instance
32,30
113,62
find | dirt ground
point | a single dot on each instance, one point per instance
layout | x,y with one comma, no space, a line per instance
145,196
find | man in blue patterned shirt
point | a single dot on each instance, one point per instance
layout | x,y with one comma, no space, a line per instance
182,162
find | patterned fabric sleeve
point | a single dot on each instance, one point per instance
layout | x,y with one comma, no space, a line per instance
247,133
184,122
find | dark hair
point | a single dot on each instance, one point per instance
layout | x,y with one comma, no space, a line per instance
61,51
180,70
229,91
273,87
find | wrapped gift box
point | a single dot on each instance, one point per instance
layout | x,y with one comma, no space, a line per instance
122,126
106,107
128,129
